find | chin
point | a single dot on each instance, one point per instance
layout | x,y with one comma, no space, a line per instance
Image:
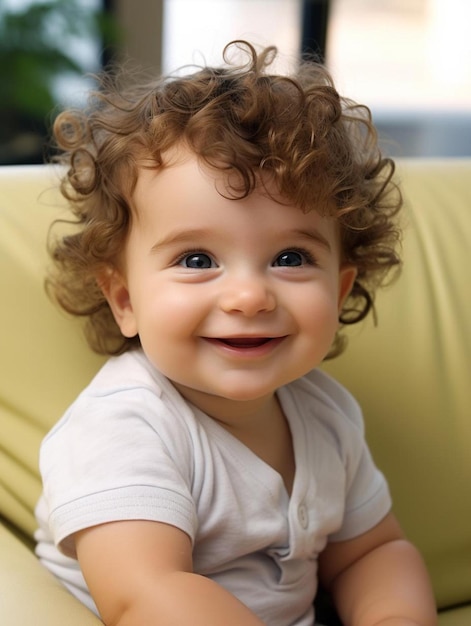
246,396
245,393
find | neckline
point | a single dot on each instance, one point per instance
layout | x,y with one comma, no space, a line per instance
248,460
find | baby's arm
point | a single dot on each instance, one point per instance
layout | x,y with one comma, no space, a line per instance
140,572
378,579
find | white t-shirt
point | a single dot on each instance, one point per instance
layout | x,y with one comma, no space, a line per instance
131,447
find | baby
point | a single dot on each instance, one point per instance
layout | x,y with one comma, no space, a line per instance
227,224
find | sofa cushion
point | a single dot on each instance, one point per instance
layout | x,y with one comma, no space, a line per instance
411,374
45,361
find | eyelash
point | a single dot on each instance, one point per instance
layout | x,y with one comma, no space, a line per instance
193,252
307,256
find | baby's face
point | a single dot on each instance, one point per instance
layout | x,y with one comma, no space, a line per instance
231,298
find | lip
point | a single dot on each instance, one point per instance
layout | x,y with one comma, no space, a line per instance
246,346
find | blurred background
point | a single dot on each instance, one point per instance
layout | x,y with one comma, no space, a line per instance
408,60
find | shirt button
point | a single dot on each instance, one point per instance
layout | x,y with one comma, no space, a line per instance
303,516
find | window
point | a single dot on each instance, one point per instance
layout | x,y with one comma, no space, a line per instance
196,32
410,62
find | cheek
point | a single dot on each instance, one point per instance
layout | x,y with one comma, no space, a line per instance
170,311
167,327
319,311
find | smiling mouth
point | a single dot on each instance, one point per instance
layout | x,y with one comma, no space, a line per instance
245,343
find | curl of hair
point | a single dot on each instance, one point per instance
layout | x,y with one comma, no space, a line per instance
318,148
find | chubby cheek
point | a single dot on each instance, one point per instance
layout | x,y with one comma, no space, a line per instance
169,318
319,317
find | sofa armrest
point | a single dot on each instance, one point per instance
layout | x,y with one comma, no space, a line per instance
29,594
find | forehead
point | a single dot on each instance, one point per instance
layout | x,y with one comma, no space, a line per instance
186,187
181,165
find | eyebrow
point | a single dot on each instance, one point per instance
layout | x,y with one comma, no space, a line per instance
313,235
180,237
191,235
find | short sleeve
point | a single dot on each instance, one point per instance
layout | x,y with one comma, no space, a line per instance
112,457
367,499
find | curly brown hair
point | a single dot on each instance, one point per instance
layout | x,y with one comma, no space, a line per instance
320,150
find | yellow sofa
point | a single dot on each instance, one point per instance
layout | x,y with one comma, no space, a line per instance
412,375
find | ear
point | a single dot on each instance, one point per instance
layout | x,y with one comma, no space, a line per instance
114,288
347,276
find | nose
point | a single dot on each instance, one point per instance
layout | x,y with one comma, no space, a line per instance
249,295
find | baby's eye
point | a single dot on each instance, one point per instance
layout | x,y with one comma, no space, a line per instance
292,258
197,261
